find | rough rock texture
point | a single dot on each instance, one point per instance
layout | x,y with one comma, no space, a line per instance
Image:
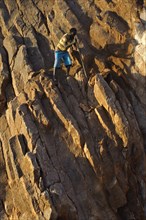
76,150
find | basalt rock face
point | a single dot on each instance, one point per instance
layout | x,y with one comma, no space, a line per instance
75,150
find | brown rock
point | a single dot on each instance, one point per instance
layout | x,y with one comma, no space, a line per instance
74,149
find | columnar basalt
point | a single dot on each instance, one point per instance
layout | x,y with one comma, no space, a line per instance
75,150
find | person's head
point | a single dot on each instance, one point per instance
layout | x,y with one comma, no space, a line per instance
73,31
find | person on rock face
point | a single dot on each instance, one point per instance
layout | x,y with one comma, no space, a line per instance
61,51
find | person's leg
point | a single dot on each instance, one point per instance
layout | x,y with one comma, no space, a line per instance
68,69
67,61
57,62
54,73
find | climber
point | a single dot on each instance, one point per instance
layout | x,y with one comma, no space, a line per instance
61,51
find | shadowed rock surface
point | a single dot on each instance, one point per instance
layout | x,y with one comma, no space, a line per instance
76,150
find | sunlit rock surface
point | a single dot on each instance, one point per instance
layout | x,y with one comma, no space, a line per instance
75,150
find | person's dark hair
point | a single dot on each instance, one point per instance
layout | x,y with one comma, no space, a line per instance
73,31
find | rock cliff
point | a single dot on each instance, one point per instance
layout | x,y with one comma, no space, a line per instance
76,150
